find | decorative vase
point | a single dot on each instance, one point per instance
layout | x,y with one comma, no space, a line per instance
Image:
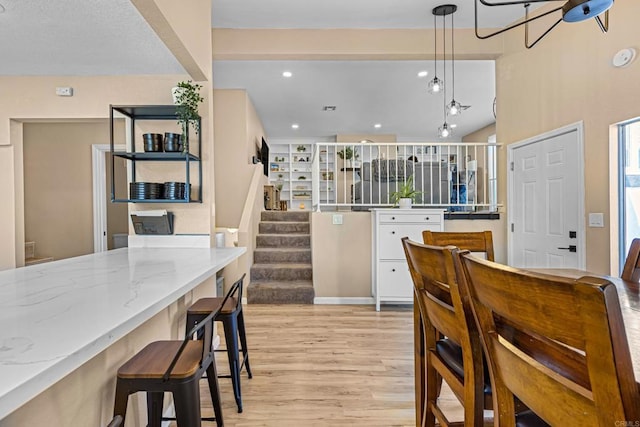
404,203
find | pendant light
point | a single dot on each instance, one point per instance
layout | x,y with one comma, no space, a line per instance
445,130
453,108
435,84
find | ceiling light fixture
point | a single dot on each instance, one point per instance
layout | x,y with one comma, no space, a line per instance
445,130
435,84
295,126
423,73
572,11
377,125
287,74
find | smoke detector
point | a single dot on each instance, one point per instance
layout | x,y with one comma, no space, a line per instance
624,57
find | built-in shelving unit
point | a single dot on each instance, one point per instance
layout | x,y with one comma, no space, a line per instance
134,114
290,170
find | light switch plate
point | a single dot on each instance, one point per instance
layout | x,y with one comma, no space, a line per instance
596,220
337,219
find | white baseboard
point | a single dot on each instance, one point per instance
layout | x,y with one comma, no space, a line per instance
345,300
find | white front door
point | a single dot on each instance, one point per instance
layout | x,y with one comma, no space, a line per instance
546,213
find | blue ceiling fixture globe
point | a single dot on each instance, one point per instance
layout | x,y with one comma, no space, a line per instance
580,10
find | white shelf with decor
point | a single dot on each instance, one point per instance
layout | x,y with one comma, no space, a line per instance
290,170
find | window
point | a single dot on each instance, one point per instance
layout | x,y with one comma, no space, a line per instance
629,185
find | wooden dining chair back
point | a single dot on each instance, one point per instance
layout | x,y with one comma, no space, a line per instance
474,241
451,341
631,271
578,370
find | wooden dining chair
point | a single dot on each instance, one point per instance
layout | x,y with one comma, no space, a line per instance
474,241
631,271
577,371
452,349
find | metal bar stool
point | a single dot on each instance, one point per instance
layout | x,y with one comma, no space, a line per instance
176,367
232,320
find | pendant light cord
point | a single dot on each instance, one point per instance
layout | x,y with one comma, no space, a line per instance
435,47
444,64
453,64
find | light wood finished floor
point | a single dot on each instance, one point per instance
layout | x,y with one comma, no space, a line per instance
317,365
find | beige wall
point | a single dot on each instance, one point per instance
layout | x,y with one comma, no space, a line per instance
481,135
567,78
238,131
58,187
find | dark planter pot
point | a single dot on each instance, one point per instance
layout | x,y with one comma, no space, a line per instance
173,142
152,141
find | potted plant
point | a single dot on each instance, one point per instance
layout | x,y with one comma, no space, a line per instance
186,97
280,182
350,157
301,148
406,194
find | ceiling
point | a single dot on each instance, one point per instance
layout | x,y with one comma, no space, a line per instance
97,37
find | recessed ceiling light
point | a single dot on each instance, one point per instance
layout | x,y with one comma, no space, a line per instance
423,73
287,74
377,126
295,126
453,125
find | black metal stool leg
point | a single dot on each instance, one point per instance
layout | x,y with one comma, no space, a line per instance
121,400
243,342
214,390
154,408
186,398
231,337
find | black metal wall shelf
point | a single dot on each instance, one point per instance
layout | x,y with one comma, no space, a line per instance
154,112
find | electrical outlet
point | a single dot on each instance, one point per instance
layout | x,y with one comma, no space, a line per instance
64,91
337,219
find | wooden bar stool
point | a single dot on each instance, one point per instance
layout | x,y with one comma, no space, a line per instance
232,319
176,367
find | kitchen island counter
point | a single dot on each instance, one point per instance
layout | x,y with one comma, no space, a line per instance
55,317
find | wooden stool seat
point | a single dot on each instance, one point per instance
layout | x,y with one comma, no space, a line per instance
207,305
154,360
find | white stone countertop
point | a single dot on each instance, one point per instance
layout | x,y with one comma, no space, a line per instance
56,316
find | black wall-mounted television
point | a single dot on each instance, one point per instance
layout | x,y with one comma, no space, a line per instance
264,157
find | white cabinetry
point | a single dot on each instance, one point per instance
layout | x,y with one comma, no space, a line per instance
390,272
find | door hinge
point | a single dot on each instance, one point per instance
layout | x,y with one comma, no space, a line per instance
512,167
512,227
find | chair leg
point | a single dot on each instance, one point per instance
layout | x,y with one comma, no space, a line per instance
121,400
154,408
231,337
243,342
214,390
186,398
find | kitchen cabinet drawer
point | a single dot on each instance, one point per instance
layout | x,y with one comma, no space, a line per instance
404,218
395,280
389,243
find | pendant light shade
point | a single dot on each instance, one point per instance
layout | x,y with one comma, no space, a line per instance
444,131
435,85
580,10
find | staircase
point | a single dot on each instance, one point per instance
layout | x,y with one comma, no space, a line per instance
281,273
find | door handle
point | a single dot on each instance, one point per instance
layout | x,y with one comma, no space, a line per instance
571,248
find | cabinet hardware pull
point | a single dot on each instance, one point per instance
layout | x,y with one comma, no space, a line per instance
393,217
393,270
393,232
427,218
